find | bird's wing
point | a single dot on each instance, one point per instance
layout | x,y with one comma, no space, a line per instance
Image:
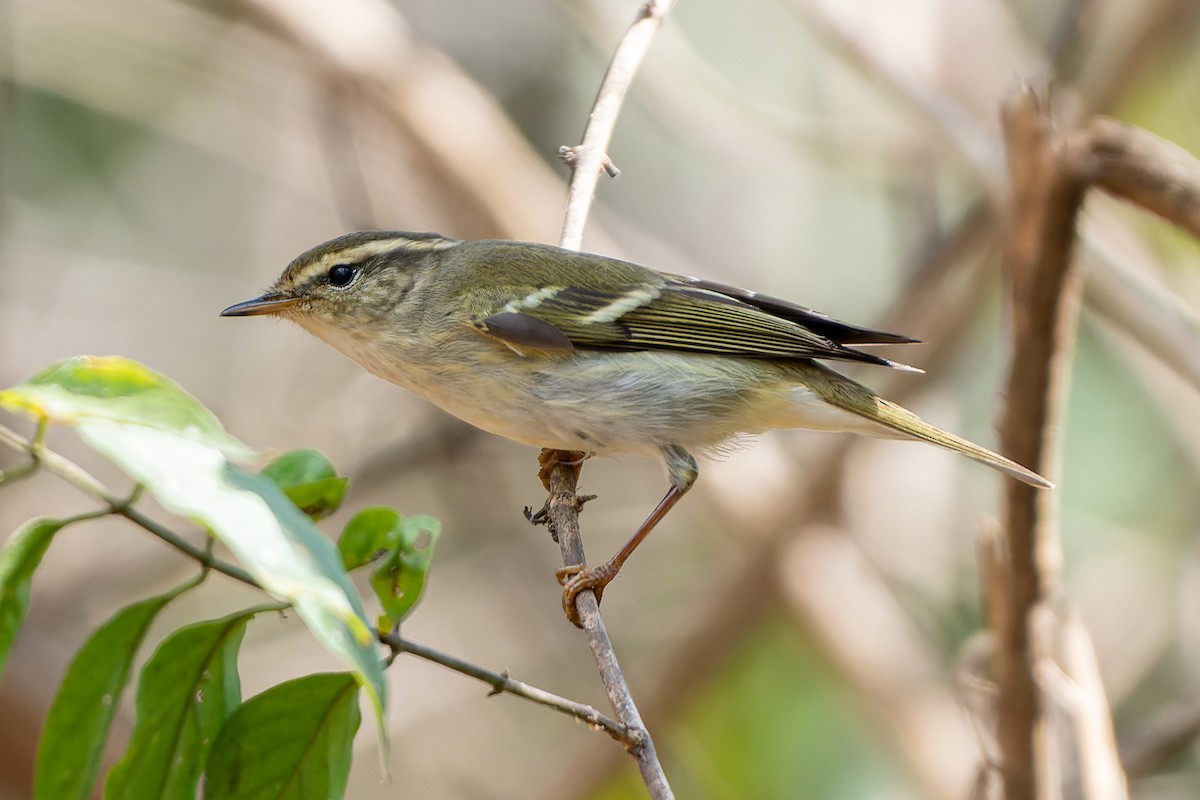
645,310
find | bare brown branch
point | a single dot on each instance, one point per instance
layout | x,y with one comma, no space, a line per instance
1050,174
560,470
1137,165
1044,202
590,157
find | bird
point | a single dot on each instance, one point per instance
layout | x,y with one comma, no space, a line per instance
579,351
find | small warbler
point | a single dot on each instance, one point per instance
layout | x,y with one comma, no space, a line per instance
574,351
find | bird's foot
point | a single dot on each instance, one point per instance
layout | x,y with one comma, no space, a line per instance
578,578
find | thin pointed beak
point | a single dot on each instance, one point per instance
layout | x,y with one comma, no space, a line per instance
270,303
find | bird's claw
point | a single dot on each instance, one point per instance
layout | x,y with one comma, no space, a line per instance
578,578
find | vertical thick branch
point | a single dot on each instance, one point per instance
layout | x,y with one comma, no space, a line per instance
1044,203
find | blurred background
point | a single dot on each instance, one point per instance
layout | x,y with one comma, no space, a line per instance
807,623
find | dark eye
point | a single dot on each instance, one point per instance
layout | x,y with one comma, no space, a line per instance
341,274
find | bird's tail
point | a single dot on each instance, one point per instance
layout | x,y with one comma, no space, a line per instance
850,396
901,419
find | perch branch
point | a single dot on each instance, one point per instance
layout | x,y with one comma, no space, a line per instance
560,470
590,156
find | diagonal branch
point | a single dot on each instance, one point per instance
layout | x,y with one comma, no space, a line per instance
590,156
1134,164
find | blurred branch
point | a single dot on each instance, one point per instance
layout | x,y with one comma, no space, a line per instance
1118,155
700,105
480,167
1044,202
967,138
343,160
1130,295
827,580
1149,30
1140,167
1166,735
1050,174
1069,677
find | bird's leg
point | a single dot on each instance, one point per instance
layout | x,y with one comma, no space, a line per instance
576,578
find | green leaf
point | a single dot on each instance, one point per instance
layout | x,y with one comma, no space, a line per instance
309,480
77,726
292,742
186,692
21,555
399,580
306,568
368,534
168,442
120,390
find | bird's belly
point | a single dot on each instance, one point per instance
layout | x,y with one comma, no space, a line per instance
609,403
597,420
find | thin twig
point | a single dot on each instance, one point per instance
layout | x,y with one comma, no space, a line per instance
84,481
590,156
502,683
562,510
561,469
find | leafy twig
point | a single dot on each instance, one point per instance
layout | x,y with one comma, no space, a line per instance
502,683
71,472
84,481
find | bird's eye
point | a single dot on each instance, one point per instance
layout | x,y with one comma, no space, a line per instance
340,275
